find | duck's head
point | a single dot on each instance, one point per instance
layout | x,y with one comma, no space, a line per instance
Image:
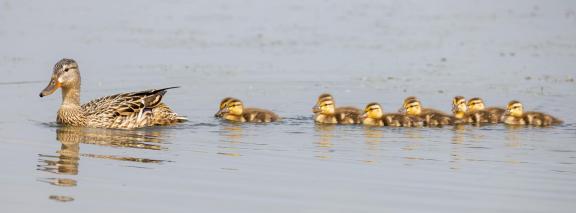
412,107
65,75
373,110
475,104
406,100
231,106
459,105
515,108
321,98
325,106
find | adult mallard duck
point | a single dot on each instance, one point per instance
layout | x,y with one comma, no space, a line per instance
485,115
515,115
121,111
374,116
232,109
325,111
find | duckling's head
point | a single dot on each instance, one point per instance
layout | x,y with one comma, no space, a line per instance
406,100
65,75
325,96
222,106
515,108
412,107
231,106
459,104
373,110
475,104
325,106
322,97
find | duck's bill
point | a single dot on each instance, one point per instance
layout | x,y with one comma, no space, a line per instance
316,109
402,110
221,112
364,116
51,88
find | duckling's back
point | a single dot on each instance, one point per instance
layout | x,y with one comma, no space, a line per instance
259,115
348,115
541,119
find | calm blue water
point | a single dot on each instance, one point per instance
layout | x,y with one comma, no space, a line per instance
281,56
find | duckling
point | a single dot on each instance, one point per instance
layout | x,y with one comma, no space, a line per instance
121,111
482,114
232,109
431,118
463,116
423,110
343,115
515,115
459,108
374,116
338,110
326,112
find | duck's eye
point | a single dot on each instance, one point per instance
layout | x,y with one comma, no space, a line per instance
66,70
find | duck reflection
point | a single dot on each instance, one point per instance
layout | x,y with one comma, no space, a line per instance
456,148
67,158
232,134
325,134
373,137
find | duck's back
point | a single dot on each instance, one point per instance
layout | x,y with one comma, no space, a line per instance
348,115
540,119
400,120
130,110
259,115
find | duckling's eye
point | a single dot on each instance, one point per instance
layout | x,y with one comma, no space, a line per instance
66,70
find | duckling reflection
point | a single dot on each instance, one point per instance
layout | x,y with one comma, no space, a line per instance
67,162
373,138
231,134
325,134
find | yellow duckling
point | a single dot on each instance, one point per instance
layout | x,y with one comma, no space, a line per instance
122,111
325,111
515,115
486,115
431,117
232,109
338,110
459,108
424,110
463,115
374,116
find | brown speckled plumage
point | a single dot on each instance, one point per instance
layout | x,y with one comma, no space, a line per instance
122,111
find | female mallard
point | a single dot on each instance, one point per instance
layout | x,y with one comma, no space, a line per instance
486,115
121,111
431,117
232,109
325,111
374,116
515,115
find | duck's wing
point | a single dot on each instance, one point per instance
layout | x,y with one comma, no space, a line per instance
123,106
348,115
259,115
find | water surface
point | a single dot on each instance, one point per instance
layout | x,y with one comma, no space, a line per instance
280,56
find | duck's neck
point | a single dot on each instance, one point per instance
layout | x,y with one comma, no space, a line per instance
71,95
459,114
